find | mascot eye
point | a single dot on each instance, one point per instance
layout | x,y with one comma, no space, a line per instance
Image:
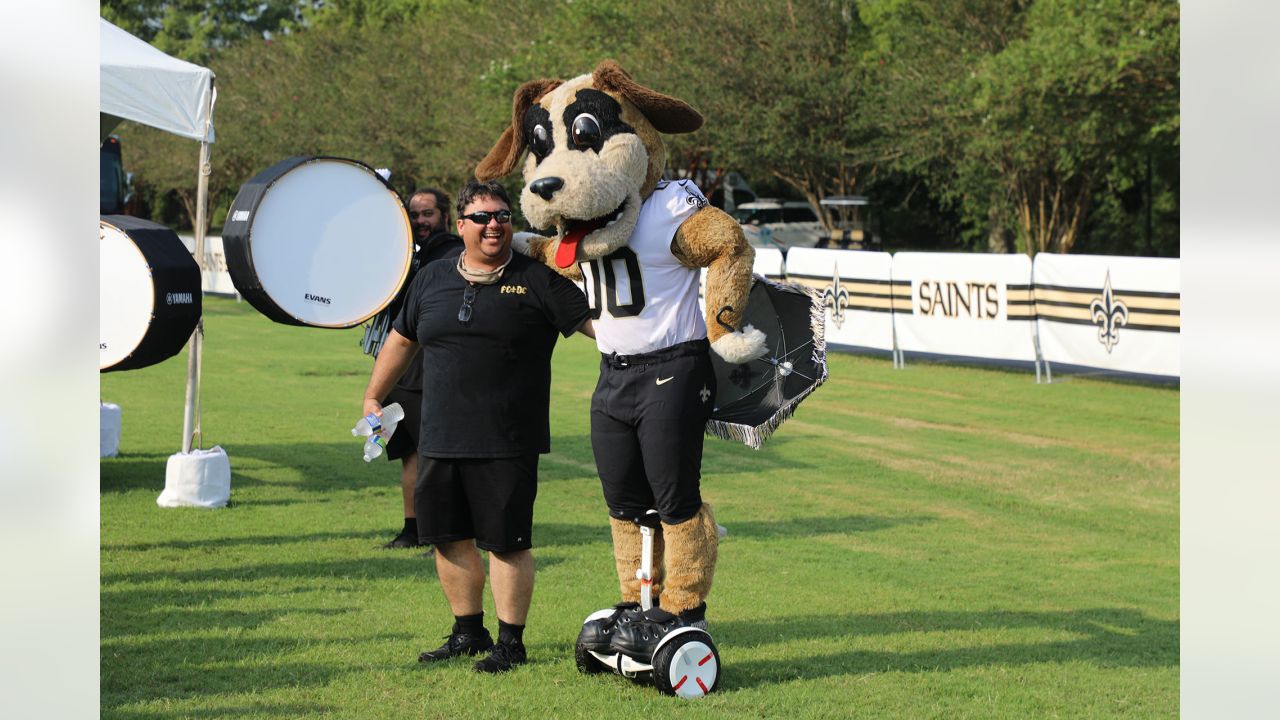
540,144
586,131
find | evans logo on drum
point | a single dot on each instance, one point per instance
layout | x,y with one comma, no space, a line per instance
318,299
178,298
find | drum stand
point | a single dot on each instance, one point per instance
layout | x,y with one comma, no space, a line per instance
685,663
197,477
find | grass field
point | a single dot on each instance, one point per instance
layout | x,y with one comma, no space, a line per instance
930,542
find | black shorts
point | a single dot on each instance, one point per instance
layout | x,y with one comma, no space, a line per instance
488,499
648,415
404,441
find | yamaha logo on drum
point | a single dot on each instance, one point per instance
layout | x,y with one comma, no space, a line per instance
318,299
178,298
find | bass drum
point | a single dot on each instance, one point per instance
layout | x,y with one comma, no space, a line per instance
318,241
148,293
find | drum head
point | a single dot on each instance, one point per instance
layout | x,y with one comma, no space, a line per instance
148,293
318,241
125,297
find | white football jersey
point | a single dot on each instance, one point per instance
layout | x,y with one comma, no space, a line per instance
642,299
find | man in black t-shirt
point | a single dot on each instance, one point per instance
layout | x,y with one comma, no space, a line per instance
428,210
486,325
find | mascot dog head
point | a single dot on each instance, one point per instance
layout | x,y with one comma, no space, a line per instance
595,154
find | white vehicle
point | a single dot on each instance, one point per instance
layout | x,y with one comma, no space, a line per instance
779,224
853,223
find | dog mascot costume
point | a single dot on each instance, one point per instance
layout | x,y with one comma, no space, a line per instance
636,243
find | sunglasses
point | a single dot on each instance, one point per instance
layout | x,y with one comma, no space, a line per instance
468,300
483,218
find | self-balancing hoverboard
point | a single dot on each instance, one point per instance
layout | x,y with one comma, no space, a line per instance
685,663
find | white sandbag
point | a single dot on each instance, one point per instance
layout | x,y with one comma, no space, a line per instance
108,430
200,478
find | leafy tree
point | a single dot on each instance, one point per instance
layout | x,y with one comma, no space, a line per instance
1085,85
781,86
1026,109
1007,124
194,29
405,96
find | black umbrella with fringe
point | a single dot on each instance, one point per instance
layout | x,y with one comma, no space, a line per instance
754,398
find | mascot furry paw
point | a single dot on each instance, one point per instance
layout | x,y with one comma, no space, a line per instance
593,173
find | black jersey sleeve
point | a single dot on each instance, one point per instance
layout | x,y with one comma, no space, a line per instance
563,302
406,321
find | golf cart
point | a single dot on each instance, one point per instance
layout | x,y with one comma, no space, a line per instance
853,228
769,222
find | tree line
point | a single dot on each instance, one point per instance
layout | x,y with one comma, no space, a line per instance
1000,125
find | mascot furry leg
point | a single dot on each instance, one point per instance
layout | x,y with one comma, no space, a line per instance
686,584
689,582
626,556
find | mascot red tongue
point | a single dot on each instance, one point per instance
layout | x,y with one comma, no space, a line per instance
567,252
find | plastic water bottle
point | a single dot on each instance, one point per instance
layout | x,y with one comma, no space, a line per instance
373,447
371,423
376,430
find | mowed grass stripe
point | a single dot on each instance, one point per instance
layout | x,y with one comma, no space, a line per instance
931,542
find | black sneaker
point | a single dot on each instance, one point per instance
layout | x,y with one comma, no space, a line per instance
459,644
502,657
597,634
639,639
403,540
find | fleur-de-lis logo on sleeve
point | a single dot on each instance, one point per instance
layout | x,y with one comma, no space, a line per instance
1110,315
836,298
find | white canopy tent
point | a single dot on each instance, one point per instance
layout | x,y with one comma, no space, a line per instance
142,84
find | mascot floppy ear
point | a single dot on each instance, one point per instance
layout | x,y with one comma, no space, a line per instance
505,155
665,113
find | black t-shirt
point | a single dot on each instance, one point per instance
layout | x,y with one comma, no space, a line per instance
487,383
440,245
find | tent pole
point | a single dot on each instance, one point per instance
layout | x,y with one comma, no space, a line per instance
191,417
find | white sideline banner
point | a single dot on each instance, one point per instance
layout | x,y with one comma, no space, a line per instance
965,304
768,263
215,278
1121,314
858,289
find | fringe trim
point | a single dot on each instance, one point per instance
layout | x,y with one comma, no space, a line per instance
754,436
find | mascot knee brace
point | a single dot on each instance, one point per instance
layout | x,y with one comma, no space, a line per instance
691,561
627,543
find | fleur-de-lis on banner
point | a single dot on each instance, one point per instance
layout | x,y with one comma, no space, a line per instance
836,298
1110,315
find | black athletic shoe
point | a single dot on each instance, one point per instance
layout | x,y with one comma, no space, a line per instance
597,634
502,657
459,644
639,639
403,540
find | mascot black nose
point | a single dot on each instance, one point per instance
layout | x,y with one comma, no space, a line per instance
546,187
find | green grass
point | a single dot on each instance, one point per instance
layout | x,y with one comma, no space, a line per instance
930,542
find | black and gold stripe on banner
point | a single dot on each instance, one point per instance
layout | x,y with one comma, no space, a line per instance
1020,302
861,293
1146,310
